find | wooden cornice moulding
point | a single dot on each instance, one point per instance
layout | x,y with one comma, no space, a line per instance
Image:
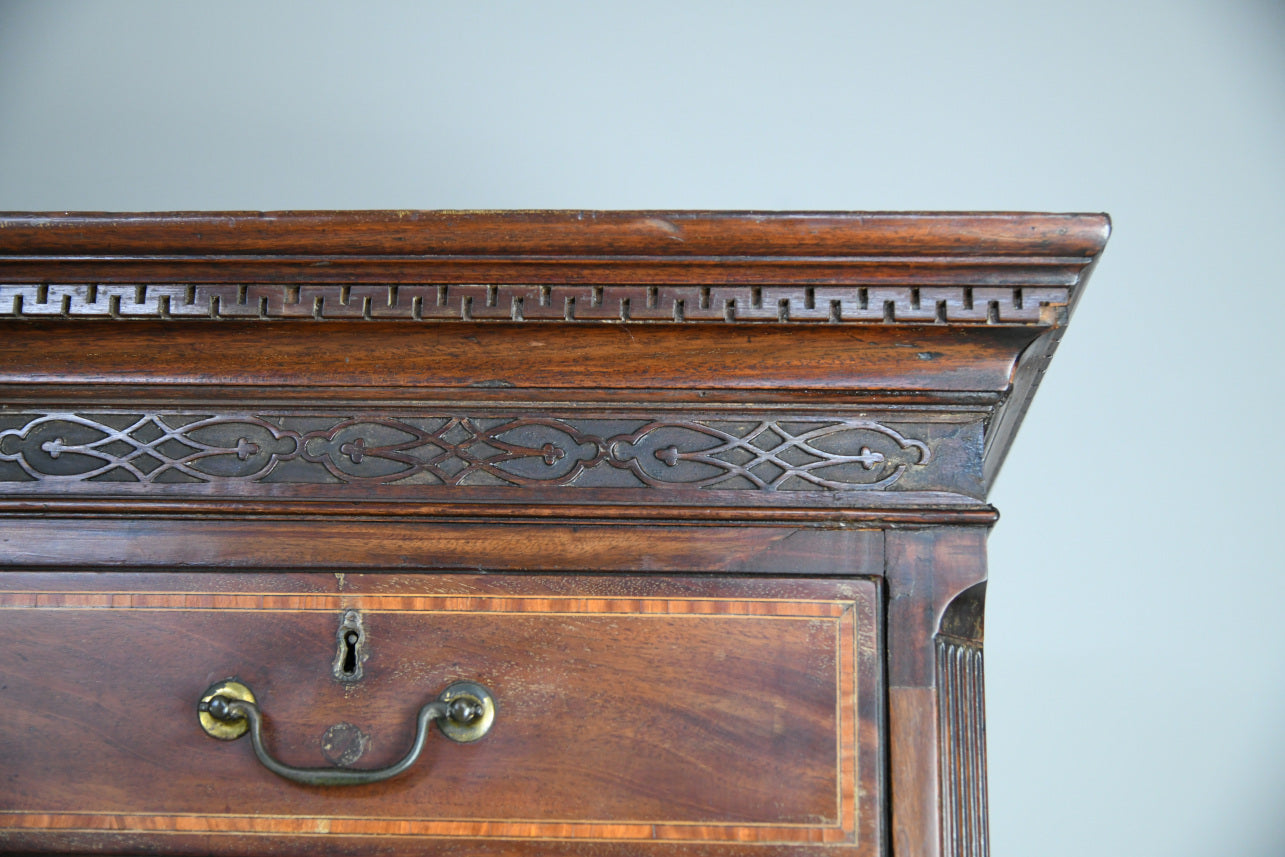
822,363
563,266
562,234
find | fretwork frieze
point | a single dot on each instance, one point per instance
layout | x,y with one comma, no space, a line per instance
437,449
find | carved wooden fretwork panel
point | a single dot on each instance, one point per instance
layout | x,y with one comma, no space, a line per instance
458,450
841,304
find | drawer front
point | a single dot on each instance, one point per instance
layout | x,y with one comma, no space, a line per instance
680,713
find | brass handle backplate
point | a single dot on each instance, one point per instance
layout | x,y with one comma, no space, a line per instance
464,712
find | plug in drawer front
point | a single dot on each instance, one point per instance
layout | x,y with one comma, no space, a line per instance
679,713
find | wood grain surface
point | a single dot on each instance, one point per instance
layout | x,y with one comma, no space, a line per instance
552,233
440,357
253,542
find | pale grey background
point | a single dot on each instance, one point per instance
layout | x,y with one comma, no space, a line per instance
1134,656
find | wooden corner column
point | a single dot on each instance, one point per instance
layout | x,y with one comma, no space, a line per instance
696,499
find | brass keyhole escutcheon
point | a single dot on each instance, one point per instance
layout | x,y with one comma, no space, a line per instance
351,650
224,730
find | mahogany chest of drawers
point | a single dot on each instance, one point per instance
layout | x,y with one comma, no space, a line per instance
508,533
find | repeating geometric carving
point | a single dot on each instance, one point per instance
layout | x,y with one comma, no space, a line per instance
839,304
439,449
145,449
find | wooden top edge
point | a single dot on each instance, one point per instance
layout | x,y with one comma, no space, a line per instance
553,233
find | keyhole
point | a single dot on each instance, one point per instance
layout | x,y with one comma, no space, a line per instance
350,653
351,647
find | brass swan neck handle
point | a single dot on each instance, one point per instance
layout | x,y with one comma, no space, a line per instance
464,712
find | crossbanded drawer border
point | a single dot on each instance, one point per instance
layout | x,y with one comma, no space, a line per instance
852,638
